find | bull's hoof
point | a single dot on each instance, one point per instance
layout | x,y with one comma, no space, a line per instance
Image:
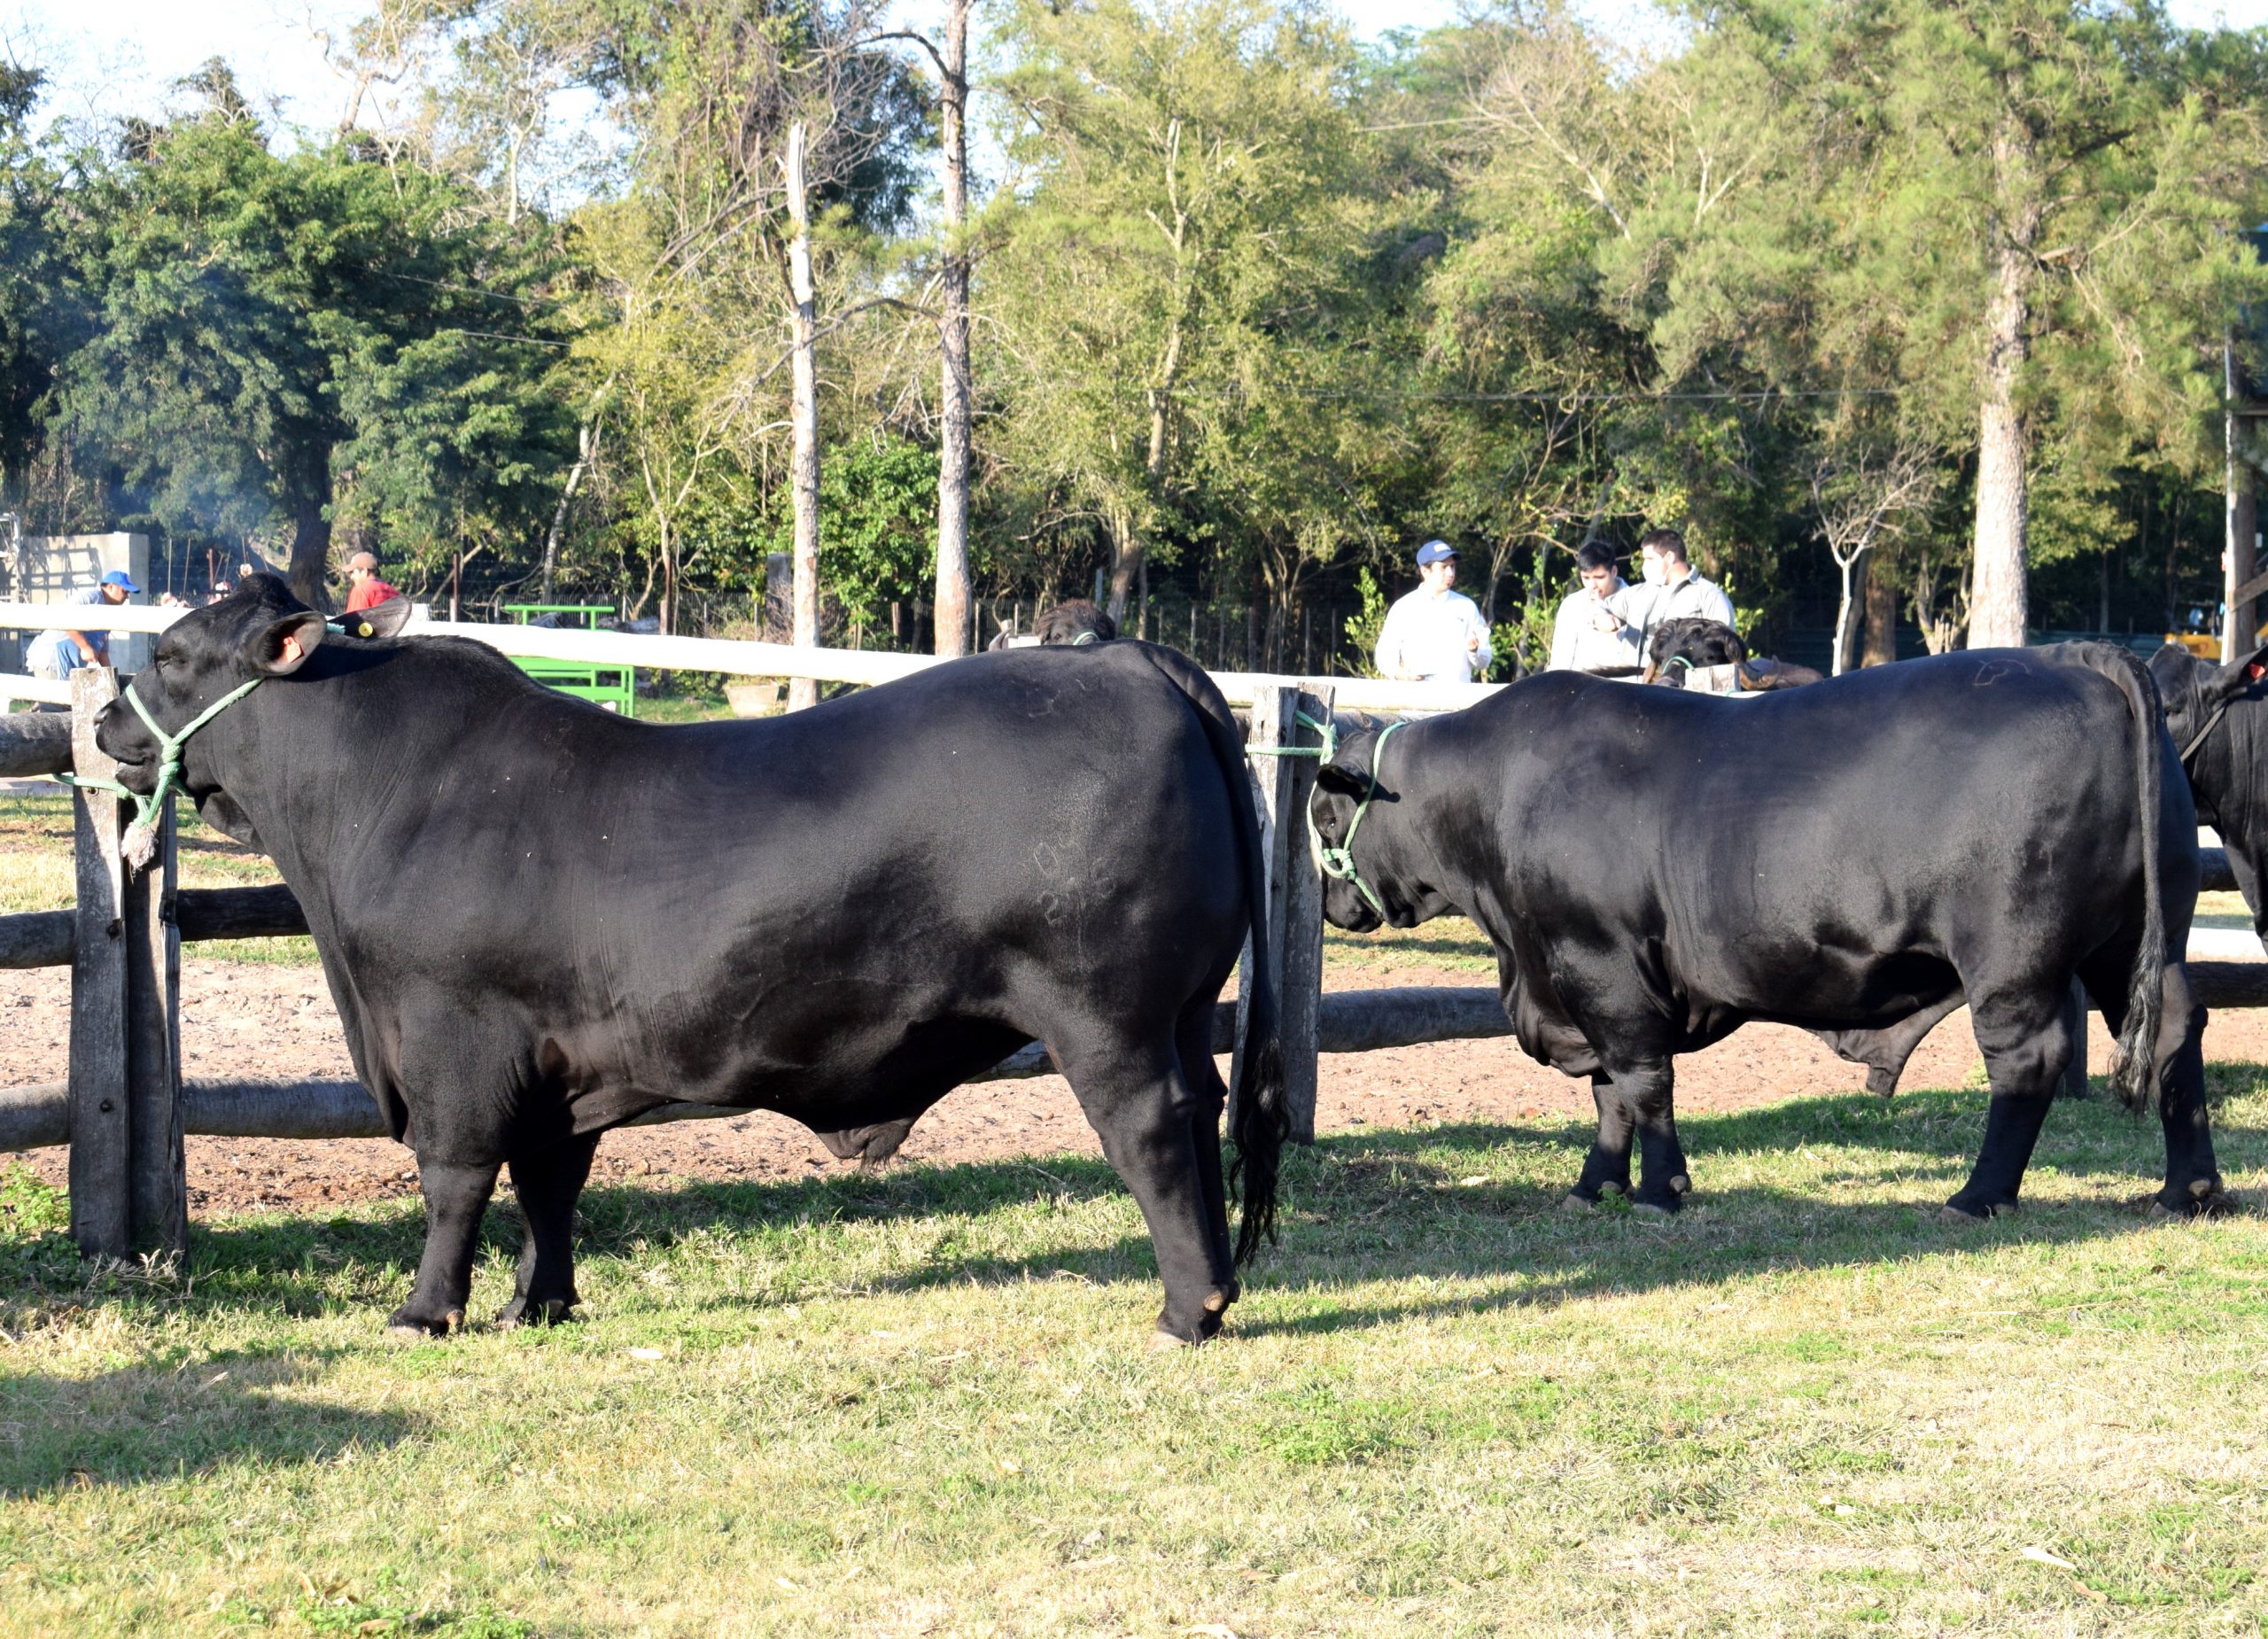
403,1326
1668,1206
1161,1341
1960,1211
1575,1200
524,1311
2203,1199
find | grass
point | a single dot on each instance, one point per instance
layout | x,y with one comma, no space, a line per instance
919,1402
36,871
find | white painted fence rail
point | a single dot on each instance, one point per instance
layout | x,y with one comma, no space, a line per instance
731,656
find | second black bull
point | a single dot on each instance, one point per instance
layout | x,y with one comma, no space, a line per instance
1657,868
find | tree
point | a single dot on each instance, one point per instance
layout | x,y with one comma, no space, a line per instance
1188,172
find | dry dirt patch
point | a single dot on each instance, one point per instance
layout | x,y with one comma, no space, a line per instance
247,1018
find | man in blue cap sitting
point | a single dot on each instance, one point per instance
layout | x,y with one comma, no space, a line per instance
1433,634
56,655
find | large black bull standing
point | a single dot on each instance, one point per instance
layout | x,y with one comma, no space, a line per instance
1656,868
538,920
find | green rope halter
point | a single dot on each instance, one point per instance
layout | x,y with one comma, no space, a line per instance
141,837
1337,863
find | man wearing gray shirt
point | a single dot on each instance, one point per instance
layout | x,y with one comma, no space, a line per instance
1671,589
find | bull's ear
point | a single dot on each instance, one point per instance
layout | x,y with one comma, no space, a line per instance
2233,680
379,620
1331,777
282,646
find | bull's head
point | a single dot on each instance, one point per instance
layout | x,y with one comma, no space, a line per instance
2212,712
260,631
1343,831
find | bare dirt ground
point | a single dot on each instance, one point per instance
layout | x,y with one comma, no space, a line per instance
248,1018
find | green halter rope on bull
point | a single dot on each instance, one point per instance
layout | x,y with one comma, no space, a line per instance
141,837
1337,863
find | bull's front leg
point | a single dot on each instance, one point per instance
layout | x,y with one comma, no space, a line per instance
1606,1169
455,1196
1648,1091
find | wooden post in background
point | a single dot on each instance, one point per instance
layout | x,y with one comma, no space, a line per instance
102,1199
1294,919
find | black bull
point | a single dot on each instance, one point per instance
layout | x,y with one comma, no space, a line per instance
538,920
1656,868
2218,716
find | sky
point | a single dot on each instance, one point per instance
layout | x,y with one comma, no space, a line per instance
107,57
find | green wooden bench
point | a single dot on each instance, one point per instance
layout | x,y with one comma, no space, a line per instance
613,686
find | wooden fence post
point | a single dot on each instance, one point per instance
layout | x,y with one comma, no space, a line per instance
127,1185
1294,919
152,938
102,1209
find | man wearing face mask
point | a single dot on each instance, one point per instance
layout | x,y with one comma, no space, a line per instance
1672,589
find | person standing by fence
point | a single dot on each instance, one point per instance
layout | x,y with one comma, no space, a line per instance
365,590
1672,589
1435,634
1588,636
55,655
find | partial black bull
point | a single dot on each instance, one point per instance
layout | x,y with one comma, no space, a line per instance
1657,868
538,920
2218,717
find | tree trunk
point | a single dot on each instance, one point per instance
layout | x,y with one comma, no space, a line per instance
1882,616
585,443
804,471
957,389
311,534
1998,598
1846,627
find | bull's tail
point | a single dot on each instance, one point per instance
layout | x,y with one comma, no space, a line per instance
2133,1070
1259,1101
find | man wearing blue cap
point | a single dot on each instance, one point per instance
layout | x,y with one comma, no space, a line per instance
1433,634
56,655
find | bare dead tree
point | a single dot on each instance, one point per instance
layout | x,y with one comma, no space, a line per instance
1861,499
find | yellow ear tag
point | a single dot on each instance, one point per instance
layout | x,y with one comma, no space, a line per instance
363,630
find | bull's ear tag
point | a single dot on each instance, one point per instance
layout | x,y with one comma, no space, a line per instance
2253,672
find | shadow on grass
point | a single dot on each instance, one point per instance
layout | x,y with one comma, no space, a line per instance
152,1421
1469,1203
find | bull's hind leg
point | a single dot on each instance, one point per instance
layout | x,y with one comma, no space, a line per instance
548,1181
1147,1113
2193,1175
2022,1034
1193,1045
455,1196
1606,1169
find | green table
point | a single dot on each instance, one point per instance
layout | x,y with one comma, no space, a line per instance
613,686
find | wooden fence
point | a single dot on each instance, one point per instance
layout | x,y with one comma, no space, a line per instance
124,1106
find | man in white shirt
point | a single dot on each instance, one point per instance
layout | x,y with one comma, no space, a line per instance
1433,634
1672,587
1588,635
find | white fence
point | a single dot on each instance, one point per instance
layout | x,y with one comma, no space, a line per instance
728,657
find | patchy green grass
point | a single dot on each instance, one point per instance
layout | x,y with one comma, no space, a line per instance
919,1402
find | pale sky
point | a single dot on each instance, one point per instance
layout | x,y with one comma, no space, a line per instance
109,58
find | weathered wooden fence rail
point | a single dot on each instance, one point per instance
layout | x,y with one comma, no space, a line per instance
125,1108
